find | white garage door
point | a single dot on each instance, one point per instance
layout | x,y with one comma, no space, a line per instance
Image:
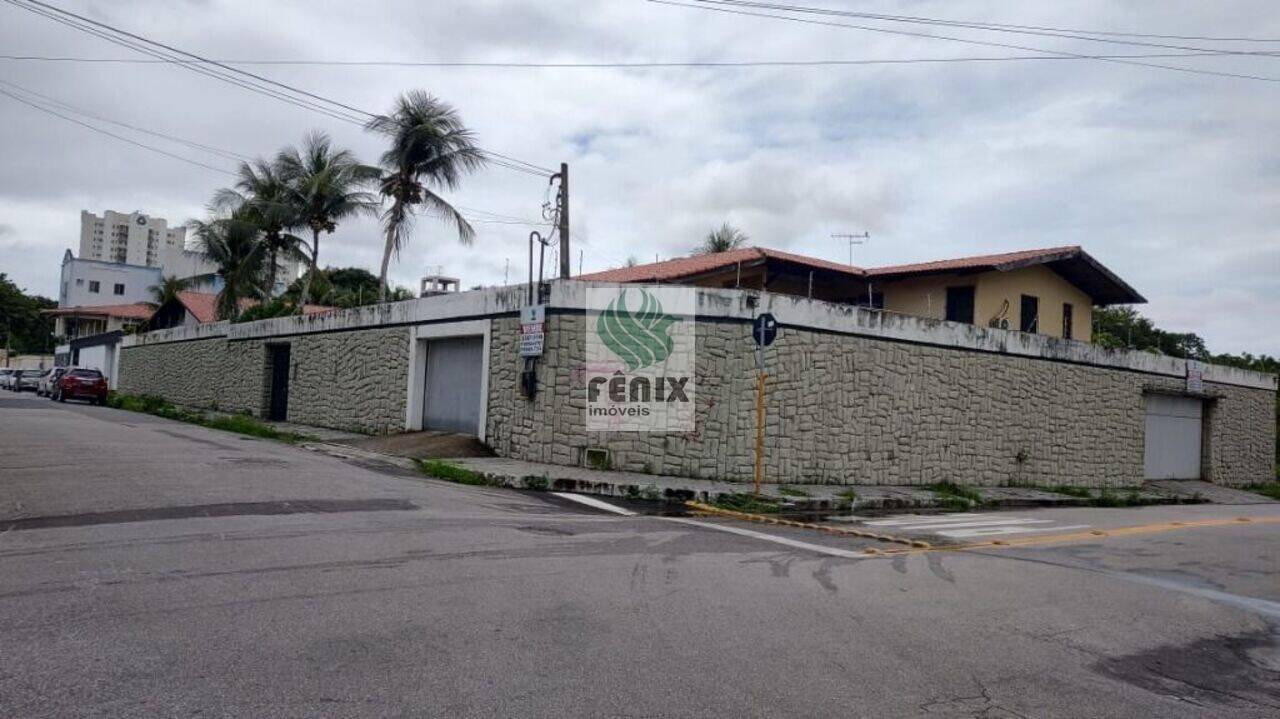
1173,437
451,400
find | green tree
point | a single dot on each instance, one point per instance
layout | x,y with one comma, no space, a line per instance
326,185
168,289
236,246
346,287
24,330
722,239
263,195
430,150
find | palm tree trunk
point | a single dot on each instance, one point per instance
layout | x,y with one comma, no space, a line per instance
394,219
311,274
271,273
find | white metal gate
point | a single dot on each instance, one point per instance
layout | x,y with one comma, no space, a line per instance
451,393
1173,437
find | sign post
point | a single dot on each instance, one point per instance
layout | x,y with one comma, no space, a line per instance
764,330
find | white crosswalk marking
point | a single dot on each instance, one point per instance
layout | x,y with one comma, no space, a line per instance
969,524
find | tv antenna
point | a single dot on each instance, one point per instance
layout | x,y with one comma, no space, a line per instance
853,240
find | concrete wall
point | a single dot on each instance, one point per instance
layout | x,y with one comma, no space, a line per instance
927,297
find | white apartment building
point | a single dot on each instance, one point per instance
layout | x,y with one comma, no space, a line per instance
130,239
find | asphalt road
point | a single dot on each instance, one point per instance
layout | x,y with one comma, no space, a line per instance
159,569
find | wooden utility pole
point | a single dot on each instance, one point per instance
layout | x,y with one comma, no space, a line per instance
564,221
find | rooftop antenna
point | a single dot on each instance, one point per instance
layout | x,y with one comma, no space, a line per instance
853,240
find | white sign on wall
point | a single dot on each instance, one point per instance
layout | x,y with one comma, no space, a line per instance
532,330
1195,377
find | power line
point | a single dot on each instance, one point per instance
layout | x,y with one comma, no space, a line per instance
300,98
989,27
988,43
630,65
108,133
224,154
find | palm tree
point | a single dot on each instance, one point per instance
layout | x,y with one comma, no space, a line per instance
325,186
167,290
430,150
726,238
235,244
262,194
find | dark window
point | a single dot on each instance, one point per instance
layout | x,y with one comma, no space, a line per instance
1066,320
875,300
93,285
960,304
1030,320
90,373
118,289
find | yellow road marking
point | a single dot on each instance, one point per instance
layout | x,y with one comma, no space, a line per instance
915,545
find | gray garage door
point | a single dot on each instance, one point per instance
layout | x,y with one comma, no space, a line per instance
1173,437
451,396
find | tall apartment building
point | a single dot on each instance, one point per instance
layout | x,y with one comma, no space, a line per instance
131,239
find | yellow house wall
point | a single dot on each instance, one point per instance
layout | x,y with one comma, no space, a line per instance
927,297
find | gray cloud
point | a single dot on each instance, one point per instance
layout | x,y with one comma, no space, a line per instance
1170,179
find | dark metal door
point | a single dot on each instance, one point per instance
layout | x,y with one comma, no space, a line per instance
279,409
451,400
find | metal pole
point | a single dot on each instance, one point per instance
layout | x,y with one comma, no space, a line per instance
532,235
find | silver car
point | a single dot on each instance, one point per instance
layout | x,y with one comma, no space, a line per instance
6,376
49,381
28,379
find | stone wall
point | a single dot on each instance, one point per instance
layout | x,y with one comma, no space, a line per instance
353,380
210,373
855,410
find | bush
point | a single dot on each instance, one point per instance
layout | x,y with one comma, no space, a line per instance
452,472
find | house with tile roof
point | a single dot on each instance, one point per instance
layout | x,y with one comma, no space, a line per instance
1049,291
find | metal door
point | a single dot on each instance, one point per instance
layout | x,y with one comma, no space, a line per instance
451,393
1173,437
279,409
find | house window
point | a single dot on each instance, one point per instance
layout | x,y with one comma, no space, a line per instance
1030,319
118,289
1066,320
93,286
79,282
960,304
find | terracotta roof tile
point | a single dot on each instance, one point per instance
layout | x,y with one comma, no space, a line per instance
133,311
681,267
980,261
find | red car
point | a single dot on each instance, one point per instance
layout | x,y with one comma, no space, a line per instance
79,383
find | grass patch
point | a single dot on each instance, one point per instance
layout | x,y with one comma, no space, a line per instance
743,502
845,498
1131,498
238,423
538,483
453,473
1268,489
792,492
951,494
1082,492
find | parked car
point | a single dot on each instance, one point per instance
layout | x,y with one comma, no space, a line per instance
28,379
81,383
6,374
47,382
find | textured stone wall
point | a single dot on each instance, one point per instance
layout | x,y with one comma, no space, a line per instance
211,373
355,380
854,410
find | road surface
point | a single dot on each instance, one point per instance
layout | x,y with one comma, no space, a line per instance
152,568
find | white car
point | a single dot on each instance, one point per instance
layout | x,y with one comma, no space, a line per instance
6,376
49,381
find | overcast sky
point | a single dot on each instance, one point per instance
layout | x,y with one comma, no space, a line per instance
1171,179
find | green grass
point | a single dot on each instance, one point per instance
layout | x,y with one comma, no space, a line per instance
792,492
743,502
953,491
1131,498
238,423
1269,489
1082,492
452,472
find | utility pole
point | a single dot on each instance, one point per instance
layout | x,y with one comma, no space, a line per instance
565,257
